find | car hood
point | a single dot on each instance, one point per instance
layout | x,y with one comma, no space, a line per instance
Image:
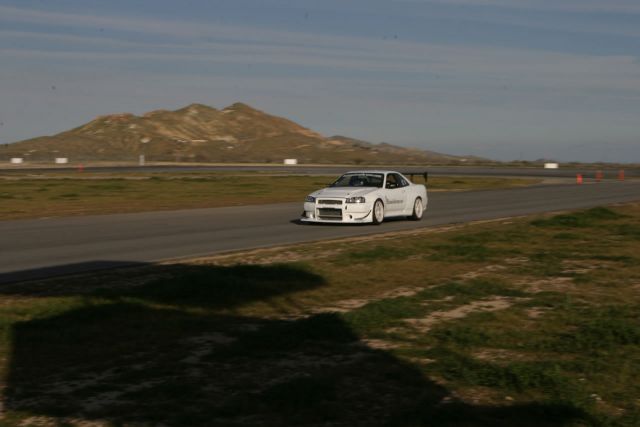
343,192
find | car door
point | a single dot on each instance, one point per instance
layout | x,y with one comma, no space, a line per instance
394,194
408,195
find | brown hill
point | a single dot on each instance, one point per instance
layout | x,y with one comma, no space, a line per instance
238,133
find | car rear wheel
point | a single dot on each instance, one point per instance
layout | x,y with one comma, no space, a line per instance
378,212
418,210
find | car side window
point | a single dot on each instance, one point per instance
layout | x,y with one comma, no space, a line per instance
403,182
391,181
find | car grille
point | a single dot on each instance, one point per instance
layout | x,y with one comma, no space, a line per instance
330,214
329,202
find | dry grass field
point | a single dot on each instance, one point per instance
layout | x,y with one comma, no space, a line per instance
524,322
63,194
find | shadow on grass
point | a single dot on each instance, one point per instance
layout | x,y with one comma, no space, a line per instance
60,270
172,352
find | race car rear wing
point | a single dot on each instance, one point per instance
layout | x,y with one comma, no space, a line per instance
424,174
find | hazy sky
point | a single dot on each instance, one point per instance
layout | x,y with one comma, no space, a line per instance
507,79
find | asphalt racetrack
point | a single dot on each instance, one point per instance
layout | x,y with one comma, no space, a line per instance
39,248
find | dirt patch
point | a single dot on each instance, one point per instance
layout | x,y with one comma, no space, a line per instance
343,306
578,267
501,355
39,422
549,284
421,360
262,256
355,303
289,253
504,357
537,312
492,304
483,271
494,268
516,261
401,292
479,395
289,256
378,344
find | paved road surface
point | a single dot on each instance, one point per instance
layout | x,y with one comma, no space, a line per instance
45,247
336,170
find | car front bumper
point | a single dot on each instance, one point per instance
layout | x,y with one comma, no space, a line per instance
344,213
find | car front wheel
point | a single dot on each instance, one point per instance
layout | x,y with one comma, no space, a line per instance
378,212
418,210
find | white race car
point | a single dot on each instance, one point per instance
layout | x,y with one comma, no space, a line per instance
366,197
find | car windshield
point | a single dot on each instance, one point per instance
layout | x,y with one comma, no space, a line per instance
360,180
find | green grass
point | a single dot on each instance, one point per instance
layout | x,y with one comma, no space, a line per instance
459,183
239,344
628,230
472,289
463,252
374,254
95,194
379,315
582,219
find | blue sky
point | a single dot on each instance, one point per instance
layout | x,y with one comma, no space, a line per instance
506,79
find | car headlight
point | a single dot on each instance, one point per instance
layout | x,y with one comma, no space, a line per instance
310,199
355,200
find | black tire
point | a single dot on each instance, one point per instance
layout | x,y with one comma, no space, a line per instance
418,210
377,213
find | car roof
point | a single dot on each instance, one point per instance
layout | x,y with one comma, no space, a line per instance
373,171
